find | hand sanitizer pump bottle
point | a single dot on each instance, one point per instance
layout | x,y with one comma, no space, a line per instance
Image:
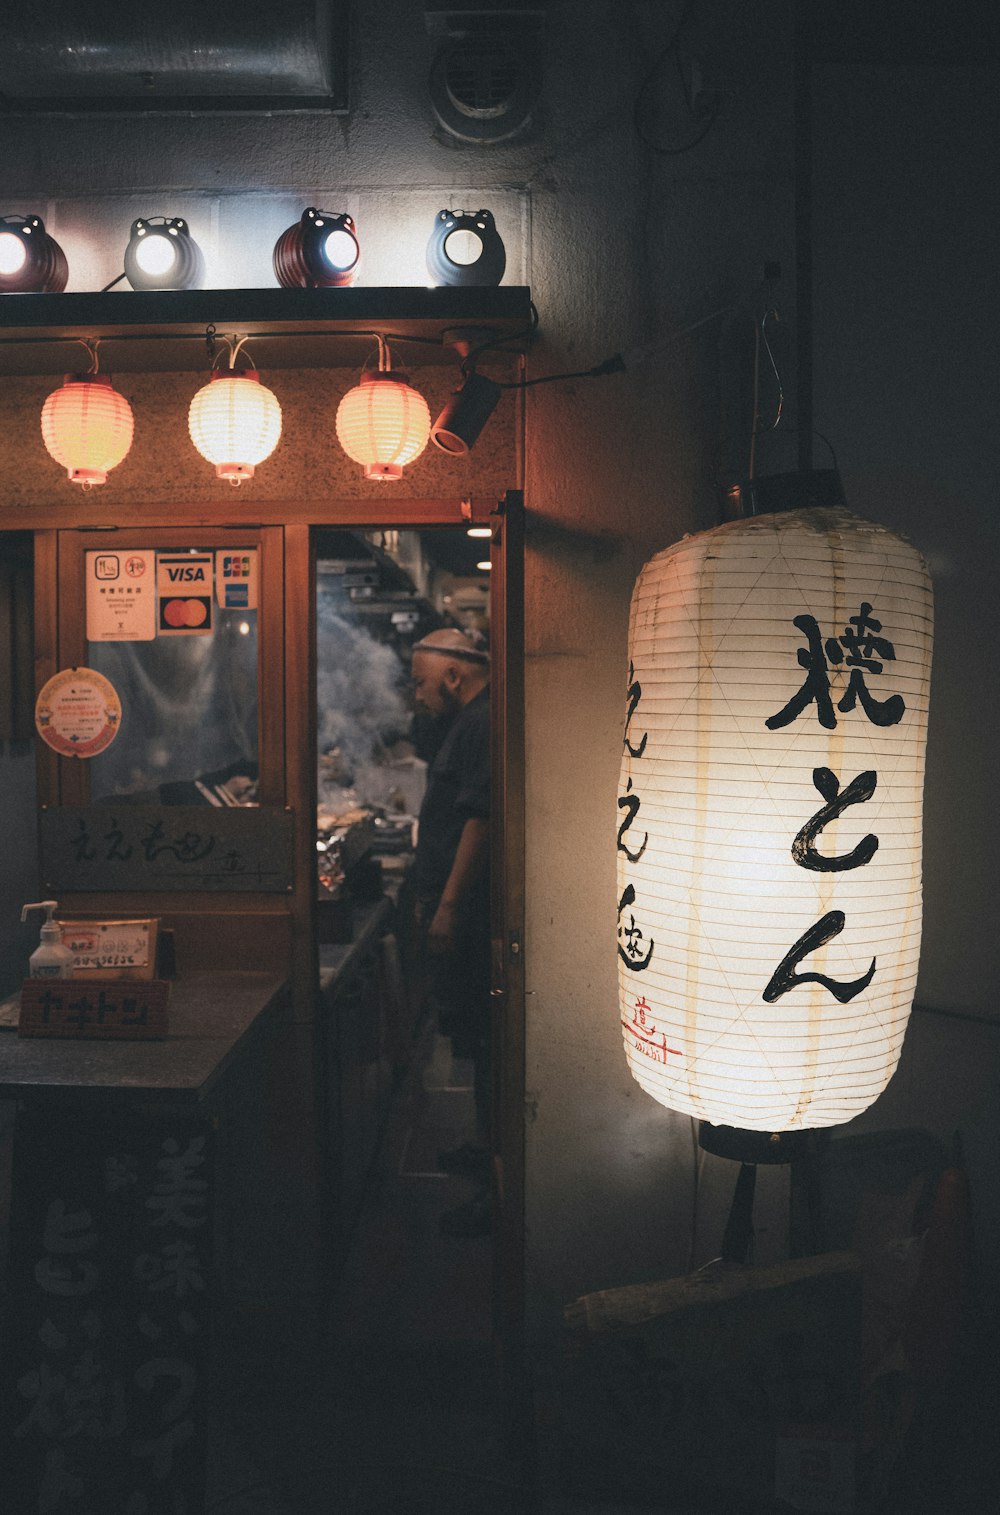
50,958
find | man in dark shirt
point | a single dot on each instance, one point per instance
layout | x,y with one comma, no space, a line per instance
451,875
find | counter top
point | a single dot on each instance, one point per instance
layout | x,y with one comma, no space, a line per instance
212,1018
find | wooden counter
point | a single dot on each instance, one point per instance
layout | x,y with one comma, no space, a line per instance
140,1179
213,1017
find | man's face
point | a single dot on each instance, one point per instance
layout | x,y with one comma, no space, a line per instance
432,691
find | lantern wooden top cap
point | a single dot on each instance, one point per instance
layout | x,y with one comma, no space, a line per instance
805,489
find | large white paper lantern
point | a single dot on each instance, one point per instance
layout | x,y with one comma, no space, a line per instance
769,841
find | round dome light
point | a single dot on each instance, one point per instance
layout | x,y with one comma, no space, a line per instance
31,262
87,427
465,249
162,254
235,422
320,251
384,424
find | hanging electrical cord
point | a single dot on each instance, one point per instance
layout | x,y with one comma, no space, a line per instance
619,362
671,50
499,344
759,339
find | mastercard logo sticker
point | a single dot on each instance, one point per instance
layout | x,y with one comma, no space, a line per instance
188,614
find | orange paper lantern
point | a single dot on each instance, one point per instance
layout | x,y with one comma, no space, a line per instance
87,427
384,424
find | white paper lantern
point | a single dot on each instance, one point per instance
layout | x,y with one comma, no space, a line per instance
769,841
235,422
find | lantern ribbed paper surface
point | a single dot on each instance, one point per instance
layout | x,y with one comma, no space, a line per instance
87,427
383,423
770,806
235,422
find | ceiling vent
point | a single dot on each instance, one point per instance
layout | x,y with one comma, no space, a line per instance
103,56
486,76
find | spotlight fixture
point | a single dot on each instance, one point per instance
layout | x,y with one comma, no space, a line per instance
320,251
382,422
465,415
465,249
31,262
235,421
162,254
87,427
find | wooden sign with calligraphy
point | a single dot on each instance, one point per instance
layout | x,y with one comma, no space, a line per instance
97,848
94,1009
110,1291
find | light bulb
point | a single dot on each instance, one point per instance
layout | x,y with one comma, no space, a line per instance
340,249
155,254
463,247
12,253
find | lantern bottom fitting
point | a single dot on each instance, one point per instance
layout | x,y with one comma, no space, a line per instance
384,471
88,477
234,472
764,1147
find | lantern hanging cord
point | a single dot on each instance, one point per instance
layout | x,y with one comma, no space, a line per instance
91,344
231,347
760,337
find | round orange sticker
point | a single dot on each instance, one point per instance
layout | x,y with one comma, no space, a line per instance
78,712
175,612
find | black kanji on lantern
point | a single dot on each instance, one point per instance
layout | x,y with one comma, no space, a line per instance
784,976
630,936
837,800
634,696
630,803
862,651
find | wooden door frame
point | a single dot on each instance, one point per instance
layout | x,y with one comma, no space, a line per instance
293,572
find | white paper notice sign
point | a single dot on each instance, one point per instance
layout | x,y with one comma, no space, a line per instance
121,596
